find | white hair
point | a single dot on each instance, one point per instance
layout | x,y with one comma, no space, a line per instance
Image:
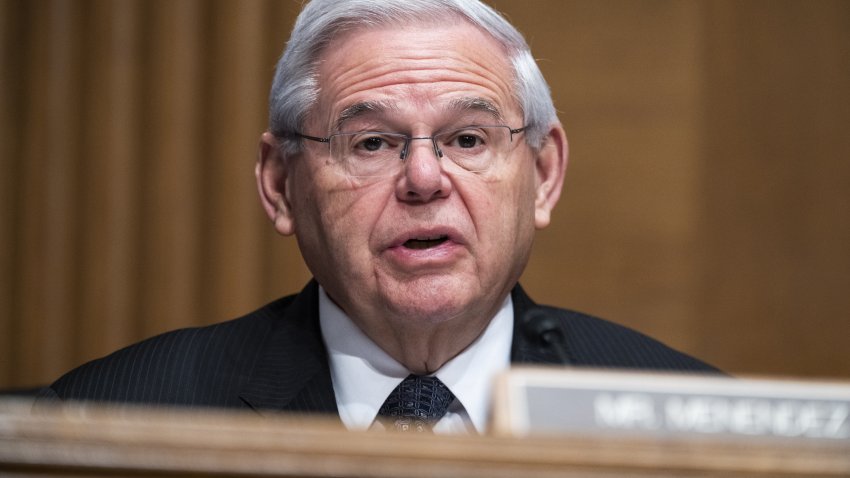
295,88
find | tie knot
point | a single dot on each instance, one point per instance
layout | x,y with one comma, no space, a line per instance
416,403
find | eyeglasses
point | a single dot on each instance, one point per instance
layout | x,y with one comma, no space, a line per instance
374,153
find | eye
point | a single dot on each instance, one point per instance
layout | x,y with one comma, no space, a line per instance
468,141
371,143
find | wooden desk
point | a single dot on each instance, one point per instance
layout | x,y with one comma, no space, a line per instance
96,441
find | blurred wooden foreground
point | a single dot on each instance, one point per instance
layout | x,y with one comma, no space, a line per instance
91,441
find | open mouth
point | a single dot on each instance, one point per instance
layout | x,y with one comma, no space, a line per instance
425,243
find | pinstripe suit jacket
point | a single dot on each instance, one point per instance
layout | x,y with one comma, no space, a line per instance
275,359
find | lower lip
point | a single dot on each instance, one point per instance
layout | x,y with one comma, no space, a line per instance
442,254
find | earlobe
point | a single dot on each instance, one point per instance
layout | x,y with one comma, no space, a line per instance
551,167
271,173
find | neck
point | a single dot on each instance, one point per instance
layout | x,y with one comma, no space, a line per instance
424,350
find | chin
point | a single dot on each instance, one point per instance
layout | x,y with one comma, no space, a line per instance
427,313
434,302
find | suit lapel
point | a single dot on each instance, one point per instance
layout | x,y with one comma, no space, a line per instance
293,372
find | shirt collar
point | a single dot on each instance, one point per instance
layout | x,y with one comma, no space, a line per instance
364,375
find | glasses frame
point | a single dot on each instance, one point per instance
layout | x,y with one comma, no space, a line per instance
407,138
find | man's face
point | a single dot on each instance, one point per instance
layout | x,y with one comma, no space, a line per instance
433,243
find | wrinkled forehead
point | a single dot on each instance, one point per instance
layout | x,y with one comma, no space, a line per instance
453,66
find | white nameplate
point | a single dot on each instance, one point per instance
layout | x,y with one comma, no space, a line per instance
563,401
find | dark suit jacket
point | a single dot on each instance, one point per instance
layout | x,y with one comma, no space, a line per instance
275,359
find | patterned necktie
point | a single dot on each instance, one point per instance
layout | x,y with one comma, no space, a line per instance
416,404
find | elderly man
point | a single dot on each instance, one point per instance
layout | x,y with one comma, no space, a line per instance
413,151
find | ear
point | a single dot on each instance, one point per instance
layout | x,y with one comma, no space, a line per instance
272,176
551,167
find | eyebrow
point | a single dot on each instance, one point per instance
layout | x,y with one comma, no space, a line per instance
476,104
359,109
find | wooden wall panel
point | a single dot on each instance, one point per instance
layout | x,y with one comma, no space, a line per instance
706,200
48,229
11,99
153,110
776,187
235,222
625,79
109,310
172,161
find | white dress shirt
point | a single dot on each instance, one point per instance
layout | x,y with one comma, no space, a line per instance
364,375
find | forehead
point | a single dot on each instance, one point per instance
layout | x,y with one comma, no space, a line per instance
414,73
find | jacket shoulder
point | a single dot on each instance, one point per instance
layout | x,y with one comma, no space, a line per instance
200,366
592,341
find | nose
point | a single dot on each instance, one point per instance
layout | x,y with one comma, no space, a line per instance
424,179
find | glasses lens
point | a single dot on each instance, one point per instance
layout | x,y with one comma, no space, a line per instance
377,154
475,148
368,153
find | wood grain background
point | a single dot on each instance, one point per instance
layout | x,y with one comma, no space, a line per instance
707,201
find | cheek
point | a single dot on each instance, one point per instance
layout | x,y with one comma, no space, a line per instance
502,212
503,206
337,219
